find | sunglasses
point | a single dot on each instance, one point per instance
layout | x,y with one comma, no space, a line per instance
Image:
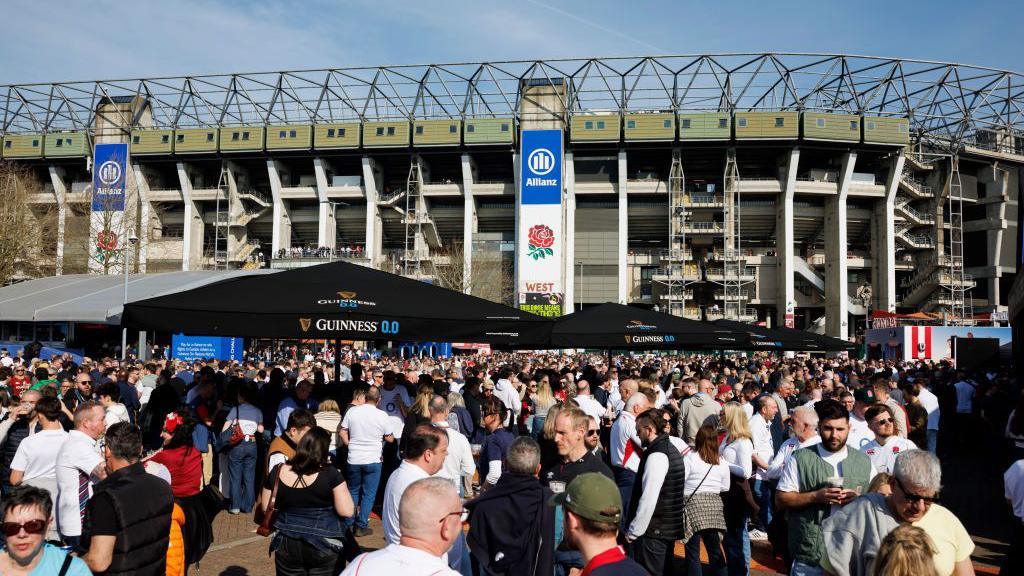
12,529
592,432
883,421
915,498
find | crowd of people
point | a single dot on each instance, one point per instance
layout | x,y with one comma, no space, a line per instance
311,251
507,463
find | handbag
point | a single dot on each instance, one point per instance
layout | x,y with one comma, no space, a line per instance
265,518
741,498
232,436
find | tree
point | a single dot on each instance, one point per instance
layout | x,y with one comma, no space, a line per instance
492,276
28,228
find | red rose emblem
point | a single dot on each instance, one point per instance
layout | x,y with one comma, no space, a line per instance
106,240
540,238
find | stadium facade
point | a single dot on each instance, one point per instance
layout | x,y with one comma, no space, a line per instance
808,189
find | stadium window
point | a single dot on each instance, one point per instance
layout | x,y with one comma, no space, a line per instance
135,139
7,144
853,124
209,136
245,135
35,143
666,124
281,134
452,129
165,138
391,130
60,142
419,130
588,125
67,141
780,122
685,124
820,122
600,124
180,138
330,132
380,131
341,132
632,123
724,123
504,127
470,127
741,122
234,136
293,134
871,125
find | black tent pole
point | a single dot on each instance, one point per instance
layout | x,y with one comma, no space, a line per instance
337,361
609,358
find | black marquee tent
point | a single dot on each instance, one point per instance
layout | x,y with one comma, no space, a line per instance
782,338
337,300
621,327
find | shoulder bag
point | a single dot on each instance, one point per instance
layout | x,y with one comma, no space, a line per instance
265,518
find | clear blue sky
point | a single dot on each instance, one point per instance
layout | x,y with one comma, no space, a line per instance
61,40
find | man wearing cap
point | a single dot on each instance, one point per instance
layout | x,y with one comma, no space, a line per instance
592,510
860,432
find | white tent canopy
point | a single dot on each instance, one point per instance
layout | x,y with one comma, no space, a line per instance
96,298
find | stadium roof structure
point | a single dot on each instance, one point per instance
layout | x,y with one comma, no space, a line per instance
945,102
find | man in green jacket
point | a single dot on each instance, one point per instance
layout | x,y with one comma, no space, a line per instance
817,482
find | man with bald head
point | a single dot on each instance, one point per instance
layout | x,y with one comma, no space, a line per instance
430,517
626,446
698,410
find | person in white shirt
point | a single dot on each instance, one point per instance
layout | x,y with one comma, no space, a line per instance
364,429
860,434
590,406
1013,480
79,466
110,396
458,467
425,453
35,461
241,458
707,478
505,390
430,517
394,399
887,445
930,402
763,450
625,446
804,425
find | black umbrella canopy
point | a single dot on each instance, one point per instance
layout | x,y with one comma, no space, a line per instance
782,338
336,300
621,327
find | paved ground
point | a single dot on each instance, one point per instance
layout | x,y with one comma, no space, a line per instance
973,490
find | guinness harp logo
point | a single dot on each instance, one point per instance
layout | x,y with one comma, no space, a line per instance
305,323
628,339
347,295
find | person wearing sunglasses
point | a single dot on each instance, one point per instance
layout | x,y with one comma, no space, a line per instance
853,536
27,513
887,444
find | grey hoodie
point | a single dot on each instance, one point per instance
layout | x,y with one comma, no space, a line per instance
694,412
853,535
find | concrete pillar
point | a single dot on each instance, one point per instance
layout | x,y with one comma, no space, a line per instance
142,186
237,232
836,278
371,188
192,239
785,297
569,178
327,229
469,222
623,295
996,213
883,241
281,231
60,192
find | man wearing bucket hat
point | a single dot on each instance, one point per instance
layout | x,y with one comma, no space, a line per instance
592,509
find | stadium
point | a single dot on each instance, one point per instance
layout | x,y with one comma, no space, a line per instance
805,190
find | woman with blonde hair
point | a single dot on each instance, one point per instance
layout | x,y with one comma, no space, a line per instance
546,439
737,451
328,417
906,551
542,400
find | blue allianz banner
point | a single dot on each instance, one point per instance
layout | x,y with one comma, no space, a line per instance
540,170
109,171
191,348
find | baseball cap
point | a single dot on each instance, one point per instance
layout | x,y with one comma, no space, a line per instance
487,386
592,496
864,395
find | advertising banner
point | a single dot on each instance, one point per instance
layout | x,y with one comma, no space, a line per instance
191,348
109,177
540,239
925,342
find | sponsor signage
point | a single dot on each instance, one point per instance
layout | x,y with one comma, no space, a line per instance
191,348
369,327
649,338
540,239
109,172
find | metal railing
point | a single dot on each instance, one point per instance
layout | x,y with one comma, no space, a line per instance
922,188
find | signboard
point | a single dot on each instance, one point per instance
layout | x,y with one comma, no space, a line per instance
540,238
109,174
191,348
925,342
